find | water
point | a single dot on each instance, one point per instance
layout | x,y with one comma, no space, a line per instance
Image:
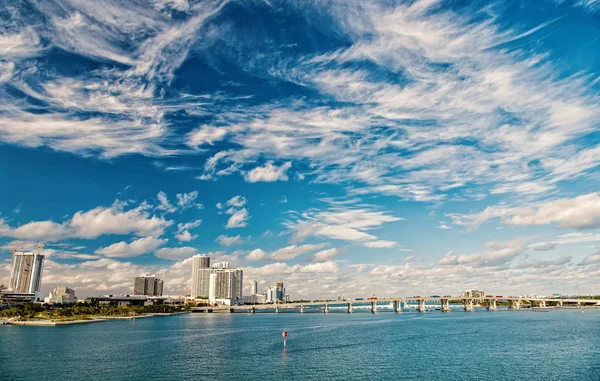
556,345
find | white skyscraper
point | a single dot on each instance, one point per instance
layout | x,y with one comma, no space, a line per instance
200,276
253,287
225,286
26,272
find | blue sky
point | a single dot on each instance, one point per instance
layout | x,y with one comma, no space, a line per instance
351,148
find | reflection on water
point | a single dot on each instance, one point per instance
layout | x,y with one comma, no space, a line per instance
558,345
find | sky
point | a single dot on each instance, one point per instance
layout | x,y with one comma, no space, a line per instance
355,148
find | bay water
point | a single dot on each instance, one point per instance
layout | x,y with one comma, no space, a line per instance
481,345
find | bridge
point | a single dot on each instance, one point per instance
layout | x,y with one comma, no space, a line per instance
401,304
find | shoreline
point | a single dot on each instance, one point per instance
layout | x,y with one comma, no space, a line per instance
53,323
94,319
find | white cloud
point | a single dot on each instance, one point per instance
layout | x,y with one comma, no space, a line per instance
545,246
239,219
185,236
327,255
186,200
268,173
164,203
380,244
229,240
205,135
343,223
116,220
188,225
92,224
283,254
257,255
503,252
236,202
282,268
176,253
582,212
138,247
591,259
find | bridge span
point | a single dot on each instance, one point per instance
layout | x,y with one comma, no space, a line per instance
402,304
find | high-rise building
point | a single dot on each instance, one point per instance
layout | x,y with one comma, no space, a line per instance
26,272
253,287
218,284
279,292
61,294
271,295
200,276
148,285
220,265
225,286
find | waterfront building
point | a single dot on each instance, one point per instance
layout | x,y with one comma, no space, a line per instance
279,292
148,285
478,294
271,295
225,286
218,284
135,300
253,287
220,265
255,299
200,276
61,294
26,272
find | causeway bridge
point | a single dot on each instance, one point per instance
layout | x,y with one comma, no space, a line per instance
399,305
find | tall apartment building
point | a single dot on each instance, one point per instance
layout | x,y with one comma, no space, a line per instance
226,286
148,285
200,276
26,272
279,292
253,287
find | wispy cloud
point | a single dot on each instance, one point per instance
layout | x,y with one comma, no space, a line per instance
581,212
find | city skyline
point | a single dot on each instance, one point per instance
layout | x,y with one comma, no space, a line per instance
410,147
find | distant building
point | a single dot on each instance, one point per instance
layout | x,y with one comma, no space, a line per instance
135,300
253,287
220,265
477,294
148,285
200,276
255,299
218,283
225,286
279,292
61,294
26,272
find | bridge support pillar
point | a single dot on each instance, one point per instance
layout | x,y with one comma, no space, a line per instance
491,305
468,305
276,309
445,305
325,309
515,305
373,307
397,306
349,308
421,307
301,309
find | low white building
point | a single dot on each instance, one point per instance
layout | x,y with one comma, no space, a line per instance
61,294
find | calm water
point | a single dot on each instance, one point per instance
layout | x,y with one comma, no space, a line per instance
557,345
